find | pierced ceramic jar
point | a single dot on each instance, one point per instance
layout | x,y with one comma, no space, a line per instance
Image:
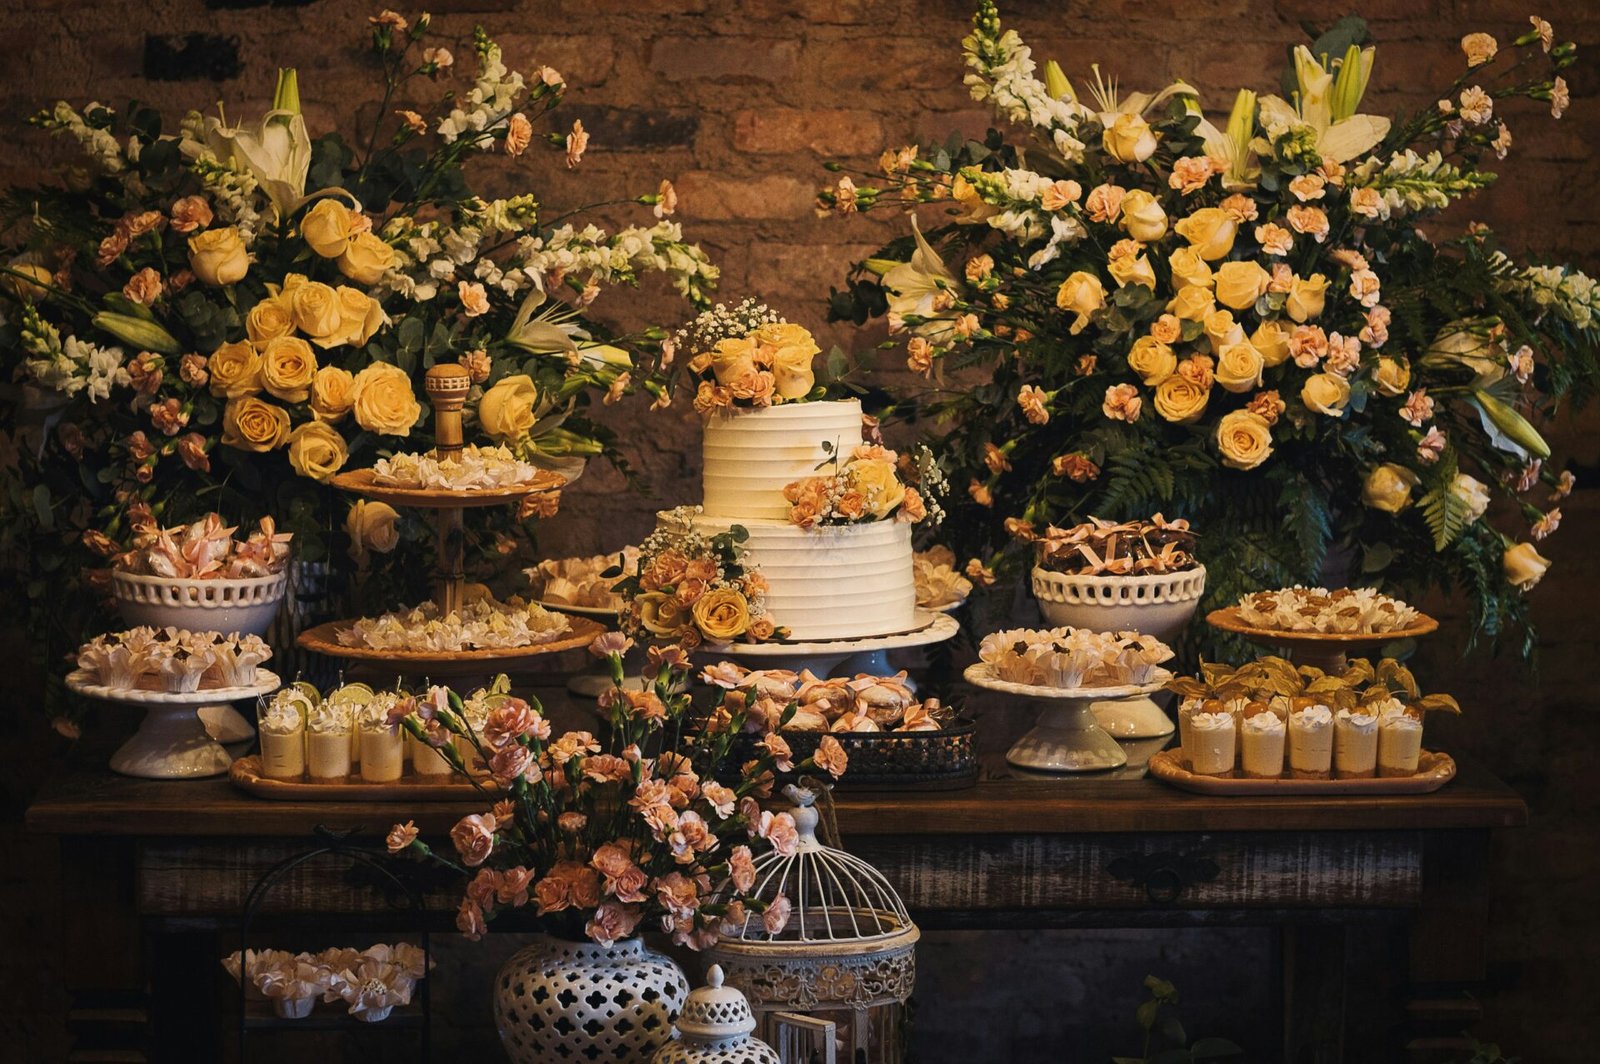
580,1001
1157,604
246,605
715,1028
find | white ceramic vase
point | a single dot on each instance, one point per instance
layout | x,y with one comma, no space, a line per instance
580,1001
246,605
1157,604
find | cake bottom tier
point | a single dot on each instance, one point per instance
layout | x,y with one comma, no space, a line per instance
836,582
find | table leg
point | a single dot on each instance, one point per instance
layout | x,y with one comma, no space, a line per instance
1448,951
1314,976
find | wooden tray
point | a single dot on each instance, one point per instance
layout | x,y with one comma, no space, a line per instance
1228,620
324,639
246,775
1434,770
362,482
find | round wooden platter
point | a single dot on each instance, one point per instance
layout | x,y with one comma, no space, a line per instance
324,639
363,482
245,774
1228,620
1434,770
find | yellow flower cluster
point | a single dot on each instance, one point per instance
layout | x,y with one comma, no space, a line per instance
769,366
334,231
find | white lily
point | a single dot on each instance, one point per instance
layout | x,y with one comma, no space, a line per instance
1135,103
914,287
277,152
1233,145
556,330
1327,106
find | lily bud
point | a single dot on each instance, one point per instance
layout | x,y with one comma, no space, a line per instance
1351,84
287,95
136,332
1242,122
1056,83
1513,425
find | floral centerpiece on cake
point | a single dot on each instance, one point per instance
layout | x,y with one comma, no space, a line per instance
220,315
746,356
866,483
603,839
1136,306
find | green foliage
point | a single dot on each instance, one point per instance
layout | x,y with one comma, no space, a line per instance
1165,1041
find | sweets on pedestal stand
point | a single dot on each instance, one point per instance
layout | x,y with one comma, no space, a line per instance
447,385
1327,651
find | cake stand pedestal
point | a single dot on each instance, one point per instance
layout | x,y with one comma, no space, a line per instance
841,657
1323,650
1067,738
172,743
447,385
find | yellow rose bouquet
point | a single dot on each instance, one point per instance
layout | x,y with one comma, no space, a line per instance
221,317
746,356
868,484
1151,305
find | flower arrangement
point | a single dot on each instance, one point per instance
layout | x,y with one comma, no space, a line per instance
601,839
1245,320
746,356
206,549
1129,548
212,315
1388,686
857,488
694,589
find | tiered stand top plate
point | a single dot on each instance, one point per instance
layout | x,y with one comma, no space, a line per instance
79,680
981,674
1228,620
364,482
324,639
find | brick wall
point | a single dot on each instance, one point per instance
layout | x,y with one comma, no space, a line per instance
741,101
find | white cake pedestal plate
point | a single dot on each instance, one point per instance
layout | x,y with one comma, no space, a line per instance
1068,739
829,657
172,743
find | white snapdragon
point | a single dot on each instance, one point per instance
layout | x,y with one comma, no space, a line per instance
98,144
1004,77
488,103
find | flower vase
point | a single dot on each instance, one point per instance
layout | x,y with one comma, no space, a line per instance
564,1000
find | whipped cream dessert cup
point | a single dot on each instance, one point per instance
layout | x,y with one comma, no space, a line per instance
426,761
282,732
1355,745
328,754
1399,745
1261,744
383,754
1215,743
1311,743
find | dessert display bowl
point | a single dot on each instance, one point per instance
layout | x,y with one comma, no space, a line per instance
1156,604
1068,737
245,605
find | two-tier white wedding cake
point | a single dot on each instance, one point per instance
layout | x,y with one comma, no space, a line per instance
826,582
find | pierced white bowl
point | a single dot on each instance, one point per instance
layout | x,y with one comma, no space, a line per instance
245,605
1156,604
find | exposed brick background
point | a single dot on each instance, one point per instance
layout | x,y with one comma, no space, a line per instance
741,101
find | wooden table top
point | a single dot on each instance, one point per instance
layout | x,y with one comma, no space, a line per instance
88,801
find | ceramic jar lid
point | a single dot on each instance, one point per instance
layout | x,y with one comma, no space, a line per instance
715,1012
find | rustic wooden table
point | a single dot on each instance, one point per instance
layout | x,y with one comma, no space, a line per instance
141,858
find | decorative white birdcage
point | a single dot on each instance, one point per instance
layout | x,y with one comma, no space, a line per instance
847,952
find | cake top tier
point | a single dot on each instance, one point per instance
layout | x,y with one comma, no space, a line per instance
751,455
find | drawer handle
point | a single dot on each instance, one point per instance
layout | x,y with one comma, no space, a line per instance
1165,877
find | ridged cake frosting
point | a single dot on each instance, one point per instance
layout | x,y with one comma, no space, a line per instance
828,582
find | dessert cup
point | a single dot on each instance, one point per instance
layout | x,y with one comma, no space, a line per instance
328,740
1355,745
1399,745
1261,743
426,761
1311,743
1215,738
283,739
383,752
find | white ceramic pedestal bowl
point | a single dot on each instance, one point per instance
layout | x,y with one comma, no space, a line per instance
1157,604
246,605
1067,739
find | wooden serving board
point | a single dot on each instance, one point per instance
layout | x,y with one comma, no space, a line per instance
1434,770
246,775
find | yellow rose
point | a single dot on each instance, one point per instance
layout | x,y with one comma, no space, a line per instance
1306,297
1239,367
1272,340
218,256
366,259
317,451
1221,330
1081,294
359,317
1524,566
1392,376
252,424
1188,268
372,526
1210,231
1388,488
732,358
1244,439
792,350
268,320
235,370
1240,284
382,399
880,488
1192,303
331,392
1180,400
722,615
660,613
326,227
1132,269
1129,139
1152,360
506,410
287,368
315,307
1143,217
1326,393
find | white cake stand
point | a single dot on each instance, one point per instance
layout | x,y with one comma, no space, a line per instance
842,657
1068,738
172,743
